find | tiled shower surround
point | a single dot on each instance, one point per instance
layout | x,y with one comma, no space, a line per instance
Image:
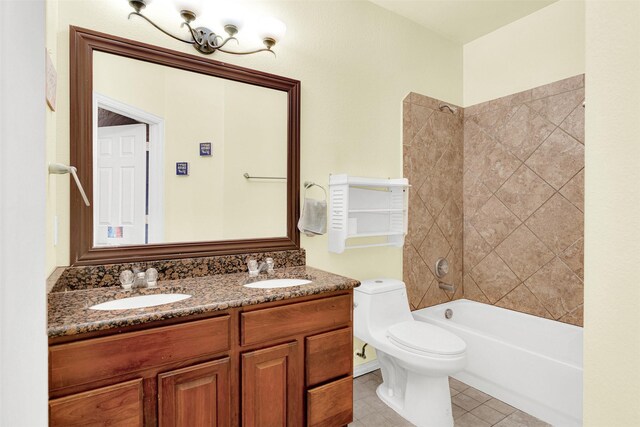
433,160
523,197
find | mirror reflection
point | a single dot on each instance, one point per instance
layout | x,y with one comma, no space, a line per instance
171,149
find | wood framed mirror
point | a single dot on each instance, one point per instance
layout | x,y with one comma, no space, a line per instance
255,215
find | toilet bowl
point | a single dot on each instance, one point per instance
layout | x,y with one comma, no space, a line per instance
416,358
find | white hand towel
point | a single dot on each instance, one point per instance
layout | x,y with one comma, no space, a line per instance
313,221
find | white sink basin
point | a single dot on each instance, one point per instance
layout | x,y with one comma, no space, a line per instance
277,283
140,302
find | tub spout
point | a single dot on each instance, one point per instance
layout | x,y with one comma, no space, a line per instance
446,287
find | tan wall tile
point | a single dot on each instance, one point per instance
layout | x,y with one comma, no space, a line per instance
494,277
494,222
556,108
523,252
574,123
525,132
558,159
565,85
524,192
557,287
521,299
573,190
557,223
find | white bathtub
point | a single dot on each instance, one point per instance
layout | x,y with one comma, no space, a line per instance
531,363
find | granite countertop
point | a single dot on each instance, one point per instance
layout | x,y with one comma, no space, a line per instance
69,312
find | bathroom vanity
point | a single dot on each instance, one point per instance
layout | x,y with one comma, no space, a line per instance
227,356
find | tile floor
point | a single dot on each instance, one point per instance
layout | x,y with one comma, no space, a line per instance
471,407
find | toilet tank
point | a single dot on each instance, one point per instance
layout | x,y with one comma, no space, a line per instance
378,304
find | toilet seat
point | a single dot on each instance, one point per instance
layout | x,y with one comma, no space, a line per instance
424,338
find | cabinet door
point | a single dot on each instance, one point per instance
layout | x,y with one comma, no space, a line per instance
115,405
197,396
271,387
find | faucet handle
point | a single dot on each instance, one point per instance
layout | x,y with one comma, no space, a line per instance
126,279
252,266
269,262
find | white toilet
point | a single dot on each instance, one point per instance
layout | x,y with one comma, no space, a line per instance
416,358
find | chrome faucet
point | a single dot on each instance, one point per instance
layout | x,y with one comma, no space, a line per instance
255,269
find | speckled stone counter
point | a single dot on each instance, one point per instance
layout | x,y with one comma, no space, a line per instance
69,312
105,275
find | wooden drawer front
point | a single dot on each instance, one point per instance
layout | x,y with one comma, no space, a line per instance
116,405
96,359
331,405
328,356
199,395
279,322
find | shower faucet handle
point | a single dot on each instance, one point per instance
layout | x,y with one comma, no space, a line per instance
442,268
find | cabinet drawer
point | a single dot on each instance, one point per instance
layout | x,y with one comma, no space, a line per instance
100,358
278,322
331,405
116,405
328,356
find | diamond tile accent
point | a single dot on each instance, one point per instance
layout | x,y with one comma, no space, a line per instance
574,123
565,85
574,258
557,223
420,220
558,300
450,223
435,141
477,146
418,116
556,108
413,168
524,192
558,159
472,291
523,252
434,296
493,121
439,183
521,299
418,279
494,277
573,190
525,132
454,276
494,222
475,247
476,194
435,246
501,164
576,317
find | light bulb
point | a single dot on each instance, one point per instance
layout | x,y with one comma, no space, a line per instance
271,30
193,8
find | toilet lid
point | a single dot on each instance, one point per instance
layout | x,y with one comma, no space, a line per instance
422,337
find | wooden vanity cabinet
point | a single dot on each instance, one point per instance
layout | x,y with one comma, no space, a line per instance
285,363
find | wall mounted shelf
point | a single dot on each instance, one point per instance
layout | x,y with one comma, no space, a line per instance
371,209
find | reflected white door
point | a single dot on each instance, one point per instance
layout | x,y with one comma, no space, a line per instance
120,196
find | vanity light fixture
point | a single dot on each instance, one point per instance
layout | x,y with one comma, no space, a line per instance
205,40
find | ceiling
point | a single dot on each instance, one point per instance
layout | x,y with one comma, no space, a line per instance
463,20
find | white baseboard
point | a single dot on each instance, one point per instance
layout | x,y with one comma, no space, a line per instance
365,368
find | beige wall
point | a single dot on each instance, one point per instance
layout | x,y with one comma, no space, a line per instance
541,48
612,215
351,98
